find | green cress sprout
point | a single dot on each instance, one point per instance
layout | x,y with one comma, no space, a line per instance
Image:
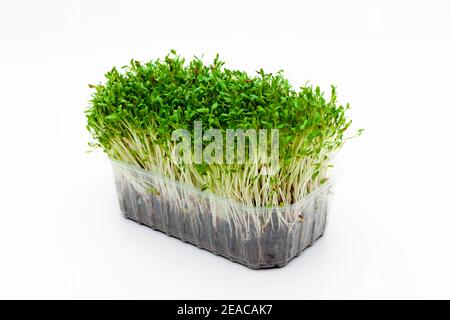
133,115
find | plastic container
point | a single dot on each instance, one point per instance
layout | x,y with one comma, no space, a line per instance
255,237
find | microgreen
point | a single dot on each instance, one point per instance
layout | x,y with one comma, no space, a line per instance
133,114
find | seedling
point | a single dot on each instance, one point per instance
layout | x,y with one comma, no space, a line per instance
135,115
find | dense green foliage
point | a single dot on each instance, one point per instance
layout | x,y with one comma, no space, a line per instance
136,110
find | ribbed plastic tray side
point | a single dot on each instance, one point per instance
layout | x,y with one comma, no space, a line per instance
255,237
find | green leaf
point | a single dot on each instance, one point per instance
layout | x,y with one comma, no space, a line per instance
112,117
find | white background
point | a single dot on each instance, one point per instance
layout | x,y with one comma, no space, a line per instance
61,231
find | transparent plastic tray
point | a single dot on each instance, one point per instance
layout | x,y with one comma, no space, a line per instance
255,237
